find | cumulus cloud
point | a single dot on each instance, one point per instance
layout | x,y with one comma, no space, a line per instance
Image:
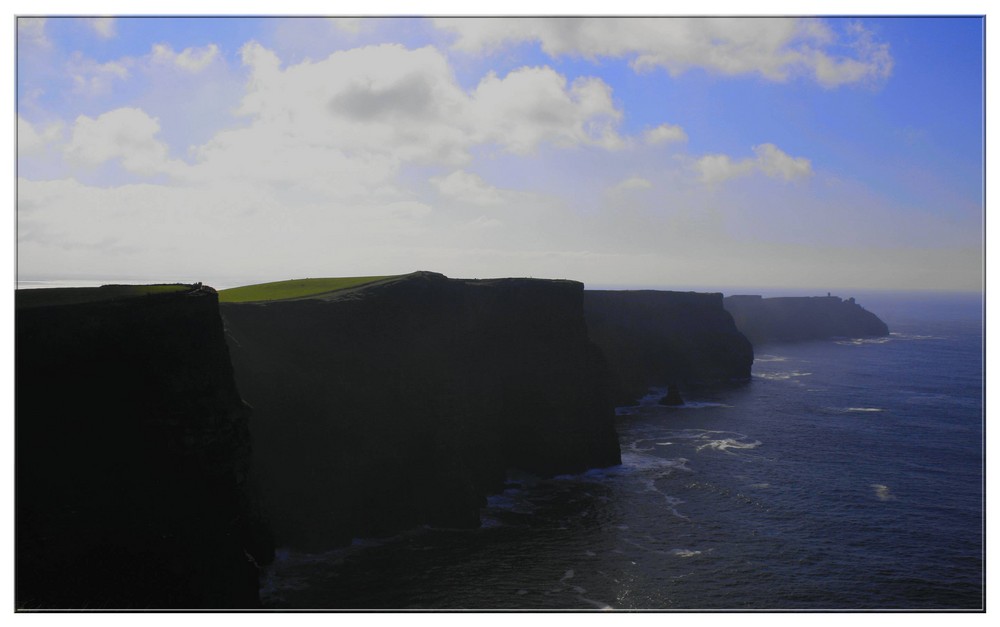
31,32
665,133
873,61
718,168
406,103
347,24
777,164
91,78
127,135
103,26
469,188
533,105
189,59
768,160
632,183
774,48
32,142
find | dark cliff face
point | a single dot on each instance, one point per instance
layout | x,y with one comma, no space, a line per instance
794,319
654,338
404,403
132,456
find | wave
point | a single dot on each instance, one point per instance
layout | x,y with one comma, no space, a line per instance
769,358
882,492
684,552
781,376
728,443
853,410
697,405
916,337
861,341
724,441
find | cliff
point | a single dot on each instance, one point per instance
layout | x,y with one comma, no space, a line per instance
653,338
132,453
404,402
794,319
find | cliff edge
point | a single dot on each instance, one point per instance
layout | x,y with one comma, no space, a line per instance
403,402
653,338
795,319
132,454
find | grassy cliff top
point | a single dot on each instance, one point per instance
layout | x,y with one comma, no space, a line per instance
295,288
77,295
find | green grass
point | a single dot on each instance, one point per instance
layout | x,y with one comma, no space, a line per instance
296,288
76,295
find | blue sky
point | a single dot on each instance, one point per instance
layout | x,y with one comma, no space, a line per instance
827,154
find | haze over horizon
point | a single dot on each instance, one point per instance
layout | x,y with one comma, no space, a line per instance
825,154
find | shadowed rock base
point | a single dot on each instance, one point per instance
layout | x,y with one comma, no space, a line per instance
404,403
132,458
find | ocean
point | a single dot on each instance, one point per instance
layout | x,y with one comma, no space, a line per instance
848,474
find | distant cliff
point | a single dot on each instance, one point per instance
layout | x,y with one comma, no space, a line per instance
655,338
404,402
132,454
793,319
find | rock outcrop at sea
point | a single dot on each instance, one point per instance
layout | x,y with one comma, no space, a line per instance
405,402
133,459
656,338
795,319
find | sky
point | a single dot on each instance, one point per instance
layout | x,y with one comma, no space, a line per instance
826,153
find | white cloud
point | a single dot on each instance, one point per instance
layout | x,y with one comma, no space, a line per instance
91,78
31,32
468,188
347,24
777,164
532,105
190,59
407,104
125,134
103,26
632,183
31,142
665,133
774,48
873,63
769,160
718,168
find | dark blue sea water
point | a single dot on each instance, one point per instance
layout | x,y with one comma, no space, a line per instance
847,475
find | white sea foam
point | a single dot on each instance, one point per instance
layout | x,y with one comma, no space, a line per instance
724,441
861,341
640,463
760,486
917,337
882,492
864,409
698,405
781,376
728,443
685,552
768,358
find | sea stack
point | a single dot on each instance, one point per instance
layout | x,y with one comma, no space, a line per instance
673,397
653,338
